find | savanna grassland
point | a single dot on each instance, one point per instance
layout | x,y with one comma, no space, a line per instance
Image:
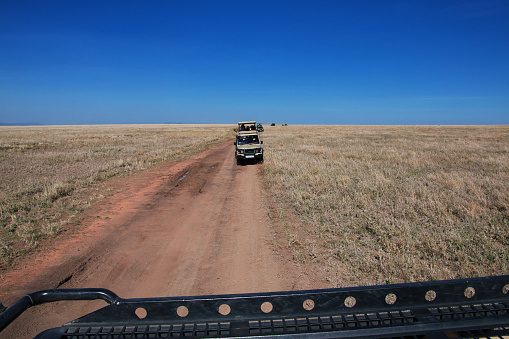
48,174
389,204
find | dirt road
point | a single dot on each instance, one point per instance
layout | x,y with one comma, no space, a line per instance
197,227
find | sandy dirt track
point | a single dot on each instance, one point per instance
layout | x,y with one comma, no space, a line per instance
197,227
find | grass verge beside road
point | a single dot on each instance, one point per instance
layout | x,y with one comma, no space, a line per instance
390,204
47,172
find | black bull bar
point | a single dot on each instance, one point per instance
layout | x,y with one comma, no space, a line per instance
462,308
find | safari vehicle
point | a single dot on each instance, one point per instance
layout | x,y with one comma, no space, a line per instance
259,127
248,146
463,308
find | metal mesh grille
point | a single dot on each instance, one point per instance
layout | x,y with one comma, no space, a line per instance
302,325
156,331
258,327
341,322
469,311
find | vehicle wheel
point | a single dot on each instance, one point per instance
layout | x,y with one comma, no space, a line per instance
238,162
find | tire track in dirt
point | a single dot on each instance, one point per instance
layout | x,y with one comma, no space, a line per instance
198,227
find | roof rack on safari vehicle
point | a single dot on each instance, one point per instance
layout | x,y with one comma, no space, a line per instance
462,308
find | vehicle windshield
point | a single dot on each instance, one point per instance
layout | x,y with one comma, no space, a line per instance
247,139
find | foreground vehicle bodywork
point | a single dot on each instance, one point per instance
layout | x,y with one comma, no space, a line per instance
477,307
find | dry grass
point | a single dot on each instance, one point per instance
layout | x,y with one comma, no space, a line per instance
46,173
386,204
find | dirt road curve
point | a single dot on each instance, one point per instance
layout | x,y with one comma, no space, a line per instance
197,227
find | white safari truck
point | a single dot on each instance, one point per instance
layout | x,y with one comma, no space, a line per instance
248,146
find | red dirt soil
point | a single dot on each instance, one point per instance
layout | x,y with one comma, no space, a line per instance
197,227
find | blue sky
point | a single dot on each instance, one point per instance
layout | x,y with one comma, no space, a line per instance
296,62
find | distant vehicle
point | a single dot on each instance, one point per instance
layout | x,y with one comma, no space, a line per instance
273,124
248,146
259,127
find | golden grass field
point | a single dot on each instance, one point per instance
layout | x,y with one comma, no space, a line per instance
390,204
48,174
363,204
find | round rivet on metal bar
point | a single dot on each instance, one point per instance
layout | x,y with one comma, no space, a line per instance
182,311
225,309
350,302
469,292
267,307
430,295
141,313
308,304
390,299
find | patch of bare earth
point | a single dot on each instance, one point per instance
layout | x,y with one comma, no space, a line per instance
201,226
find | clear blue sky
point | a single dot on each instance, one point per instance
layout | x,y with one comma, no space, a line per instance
296,62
